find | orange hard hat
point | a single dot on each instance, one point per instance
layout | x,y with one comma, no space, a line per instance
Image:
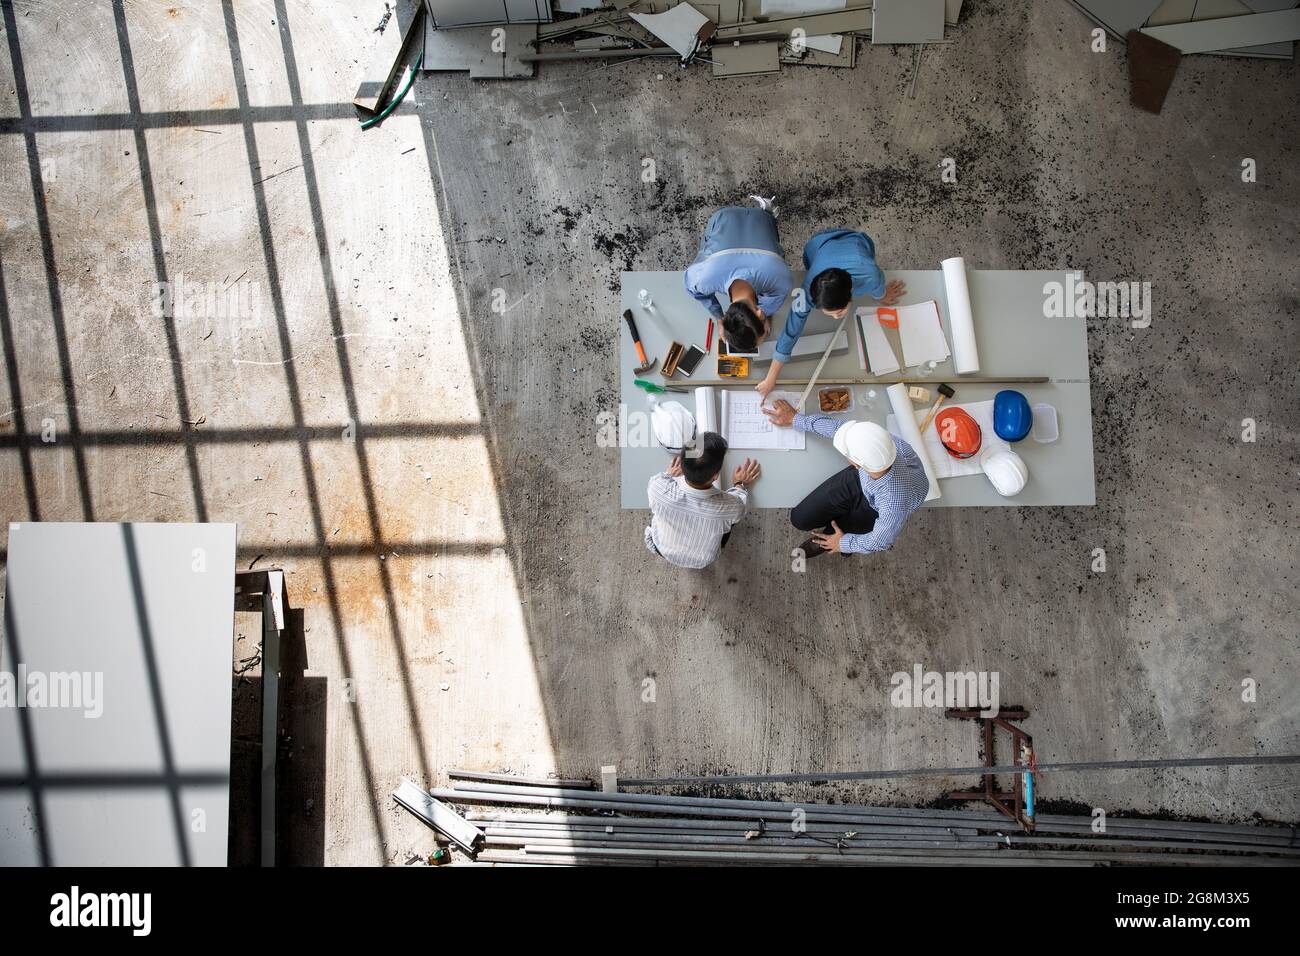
959,432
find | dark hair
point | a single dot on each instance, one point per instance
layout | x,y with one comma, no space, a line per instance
741,327
703,460
832,289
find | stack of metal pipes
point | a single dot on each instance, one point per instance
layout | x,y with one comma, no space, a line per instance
574,824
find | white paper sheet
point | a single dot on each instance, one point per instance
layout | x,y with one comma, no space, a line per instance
905,421
921,334
961,323
946,466
745,426
880,354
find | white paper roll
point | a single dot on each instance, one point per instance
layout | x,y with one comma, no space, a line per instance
965,356
706,410
910,433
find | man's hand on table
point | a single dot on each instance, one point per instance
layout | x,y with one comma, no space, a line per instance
780,414
893,292
746,473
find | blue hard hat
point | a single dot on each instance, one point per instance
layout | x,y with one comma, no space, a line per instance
1012,417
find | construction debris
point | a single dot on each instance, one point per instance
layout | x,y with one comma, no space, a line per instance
393,49
558,826
1160,32
736,37
748,59
1151,66
1251,28
450,14
907,21
484,52
682,27
439,816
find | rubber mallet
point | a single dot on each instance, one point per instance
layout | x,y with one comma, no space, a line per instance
646,364
945,392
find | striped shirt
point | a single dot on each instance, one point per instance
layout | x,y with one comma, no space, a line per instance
687,524
894,495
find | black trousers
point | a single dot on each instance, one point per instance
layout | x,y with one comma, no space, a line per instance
839,498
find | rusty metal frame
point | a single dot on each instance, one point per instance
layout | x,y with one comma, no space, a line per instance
1016,804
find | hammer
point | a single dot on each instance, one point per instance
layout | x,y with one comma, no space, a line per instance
945,392
646,364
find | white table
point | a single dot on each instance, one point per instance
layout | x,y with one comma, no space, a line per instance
1013,336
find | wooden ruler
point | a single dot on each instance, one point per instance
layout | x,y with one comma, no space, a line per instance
930,380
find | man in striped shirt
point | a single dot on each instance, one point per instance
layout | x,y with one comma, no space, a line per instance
864,507
691,519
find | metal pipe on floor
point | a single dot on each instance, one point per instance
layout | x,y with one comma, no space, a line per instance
630,54
484,776
1248,761
778,814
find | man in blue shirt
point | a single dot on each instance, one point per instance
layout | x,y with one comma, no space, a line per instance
841,265
741,258
862,508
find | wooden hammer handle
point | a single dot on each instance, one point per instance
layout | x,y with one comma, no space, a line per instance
934,409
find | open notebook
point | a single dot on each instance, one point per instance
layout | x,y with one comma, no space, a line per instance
737,416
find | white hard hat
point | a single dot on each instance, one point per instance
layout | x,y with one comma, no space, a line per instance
866,443
1005,469
673,425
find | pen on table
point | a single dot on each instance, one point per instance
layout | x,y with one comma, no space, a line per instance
708,337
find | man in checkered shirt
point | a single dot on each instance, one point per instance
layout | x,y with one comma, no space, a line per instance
862,508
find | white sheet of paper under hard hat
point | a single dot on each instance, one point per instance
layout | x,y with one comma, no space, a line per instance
745,426
879,354
961,323
946,466
808,346
921,333
905,421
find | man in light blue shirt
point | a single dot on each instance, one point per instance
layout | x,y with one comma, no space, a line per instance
862,508
741,258
841,266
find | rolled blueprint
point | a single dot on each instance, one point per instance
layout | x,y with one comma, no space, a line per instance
706,409
965,356
910,433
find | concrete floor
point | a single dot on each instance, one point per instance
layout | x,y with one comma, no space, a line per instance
426,470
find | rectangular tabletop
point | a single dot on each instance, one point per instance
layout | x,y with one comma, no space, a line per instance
1013,336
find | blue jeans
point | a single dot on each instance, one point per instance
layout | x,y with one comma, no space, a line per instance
740,227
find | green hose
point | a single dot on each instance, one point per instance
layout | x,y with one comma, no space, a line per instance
398,98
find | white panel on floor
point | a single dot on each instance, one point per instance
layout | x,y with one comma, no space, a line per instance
115,724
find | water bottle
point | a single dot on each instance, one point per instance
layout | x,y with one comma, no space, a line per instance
647,303
868,397
926,369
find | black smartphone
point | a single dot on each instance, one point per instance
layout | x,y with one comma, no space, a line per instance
690,360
